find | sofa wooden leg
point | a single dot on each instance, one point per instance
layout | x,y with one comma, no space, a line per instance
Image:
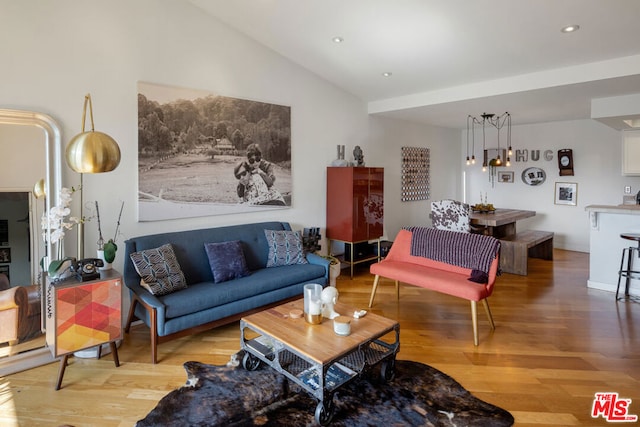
373,291
397,291
154,336
487,310
474,321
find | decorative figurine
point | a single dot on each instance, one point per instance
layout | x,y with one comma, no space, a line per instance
358,156
340,161
329,298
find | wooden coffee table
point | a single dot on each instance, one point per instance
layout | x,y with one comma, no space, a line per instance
314,356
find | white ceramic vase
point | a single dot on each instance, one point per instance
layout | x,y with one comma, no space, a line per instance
107,265
334,272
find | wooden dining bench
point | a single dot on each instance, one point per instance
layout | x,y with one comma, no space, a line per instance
516,249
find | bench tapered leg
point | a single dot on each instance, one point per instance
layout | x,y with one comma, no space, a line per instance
373,291
488,311
474,321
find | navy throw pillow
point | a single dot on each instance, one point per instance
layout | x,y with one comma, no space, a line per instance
226,260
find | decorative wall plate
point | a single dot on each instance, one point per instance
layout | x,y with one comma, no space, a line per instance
533,176
565,161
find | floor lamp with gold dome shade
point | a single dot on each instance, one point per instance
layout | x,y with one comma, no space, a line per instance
90,152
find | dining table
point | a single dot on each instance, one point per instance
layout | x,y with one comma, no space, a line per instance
500,222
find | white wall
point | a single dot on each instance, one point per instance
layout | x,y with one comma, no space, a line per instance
59,51
387,136
597,154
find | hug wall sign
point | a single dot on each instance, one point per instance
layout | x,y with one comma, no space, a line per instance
565,159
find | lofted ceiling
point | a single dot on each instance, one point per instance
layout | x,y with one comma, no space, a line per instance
452,58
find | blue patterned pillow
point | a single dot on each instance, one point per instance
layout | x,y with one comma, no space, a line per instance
285,248
226,260
159,270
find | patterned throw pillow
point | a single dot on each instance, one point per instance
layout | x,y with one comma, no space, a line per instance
285,248
159,270
226,260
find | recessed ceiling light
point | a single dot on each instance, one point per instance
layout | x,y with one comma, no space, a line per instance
570,28
337,39
387,74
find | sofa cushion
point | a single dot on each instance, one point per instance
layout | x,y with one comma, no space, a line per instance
285,248
203,296
226,260
159,270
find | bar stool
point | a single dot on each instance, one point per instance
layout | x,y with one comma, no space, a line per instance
627,272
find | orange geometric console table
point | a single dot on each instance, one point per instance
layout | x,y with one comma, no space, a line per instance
82,315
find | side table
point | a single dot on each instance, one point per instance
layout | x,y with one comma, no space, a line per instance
350,258
81,315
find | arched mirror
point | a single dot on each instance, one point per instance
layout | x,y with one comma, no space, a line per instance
30,143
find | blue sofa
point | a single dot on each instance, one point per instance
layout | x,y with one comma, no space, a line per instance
204,304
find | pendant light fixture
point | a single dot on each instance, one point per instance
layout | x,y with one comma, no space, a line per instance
497,122
90,152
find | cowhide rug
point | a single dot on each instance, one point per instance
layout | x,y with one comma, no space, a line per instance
419,395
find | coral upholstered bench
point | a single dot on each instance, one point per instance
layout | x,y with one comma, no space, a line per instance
442,276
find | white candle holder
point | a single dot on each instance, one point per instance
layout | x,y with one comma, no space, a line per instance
313,303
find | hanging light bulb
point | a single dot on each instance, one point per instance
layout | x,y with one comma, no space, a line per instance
509,134
468,161
473,140
484,148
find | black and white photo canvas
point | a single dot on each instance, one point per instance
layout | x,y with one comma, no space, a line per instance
566,193
202,154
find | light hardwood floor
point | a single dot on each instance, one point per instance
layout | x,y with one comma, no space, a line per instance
556,343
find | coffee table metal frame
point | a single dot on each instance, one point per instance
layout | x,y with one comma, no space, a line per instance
311,375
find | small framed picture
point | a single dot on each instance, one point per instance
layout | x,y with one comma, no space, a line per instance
566,193
5,269
505,177
5,254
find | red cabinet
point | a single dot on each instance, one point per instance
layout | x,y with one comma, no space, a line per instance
355,209
355,203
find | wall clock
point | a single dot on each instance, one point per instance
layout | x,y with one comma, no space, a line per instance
565,162
533,176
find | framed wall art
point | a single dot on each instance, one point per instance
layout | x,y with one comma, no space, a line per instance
202,154
506,176
5,270
5,254
415,174
4,232
566,193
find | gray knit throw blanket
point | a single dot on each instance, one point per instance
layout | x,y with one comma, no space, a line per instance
473,251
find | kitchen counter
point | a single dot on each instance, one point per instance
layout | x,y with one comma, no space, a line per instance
615,209
607,222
